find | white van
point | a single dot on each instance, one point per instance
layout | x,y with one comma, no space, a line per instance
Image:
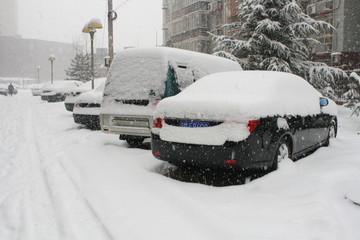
139,78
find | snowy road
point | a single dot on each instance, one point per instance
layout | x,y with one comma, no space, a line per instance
59,181
39,198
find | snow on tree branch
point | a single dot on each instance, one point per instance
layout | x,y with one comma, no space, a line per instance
276,36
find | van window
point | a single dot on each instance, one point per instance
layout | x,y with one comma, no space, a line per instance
184,75
171,83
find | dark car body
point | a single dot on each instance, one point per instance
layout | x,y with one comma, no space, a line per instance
304,135
87,107
90,121
267,135
58,90
3,89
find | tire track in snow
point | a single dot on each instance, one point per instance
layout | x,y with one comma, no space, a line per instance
76,219
43,202
12,180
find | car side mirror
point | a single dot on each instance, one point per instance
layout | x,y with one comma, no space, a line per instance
323,102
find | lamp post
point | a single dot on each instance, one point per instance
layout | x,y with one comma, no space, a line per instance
112,15
52,59
38,73
90,28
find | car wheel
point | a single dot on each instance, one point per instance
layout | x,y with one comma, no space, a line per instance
331,134
283,152
135,141
332,131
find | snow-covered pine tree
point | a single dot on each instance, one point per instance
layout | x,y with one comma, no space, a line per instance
80,68
275,35
353,89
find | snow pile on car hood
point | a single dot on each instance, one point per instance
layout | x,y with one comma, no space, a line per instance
243,95
87,86
94,96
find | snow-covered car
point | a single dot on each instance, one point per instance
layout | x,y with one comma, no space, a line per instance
59,90
139,78
3,89
86,87
87,108
36,89
245,120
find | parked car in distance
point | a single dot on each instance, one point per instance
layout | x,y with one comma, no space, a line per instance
86,87
140,77
87,107
36,89
57,91
3,89
15,91
243,120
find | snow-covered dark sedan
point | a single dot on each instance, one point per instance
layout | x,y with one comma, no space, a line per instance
245,120
87,107
58,90
3,89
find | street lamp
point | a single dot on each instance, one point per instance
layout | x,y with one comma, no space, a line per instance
91,27
38,73
52,59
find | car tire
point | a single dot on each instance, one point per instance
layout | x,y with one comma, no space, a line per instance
282,152
135,141
331,134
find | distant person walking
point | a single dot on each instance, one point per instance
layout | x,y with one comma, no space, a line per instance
11,89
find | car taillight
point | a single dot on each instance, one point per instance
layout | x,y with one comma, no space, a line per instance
252,124
155,102
231,161
158,122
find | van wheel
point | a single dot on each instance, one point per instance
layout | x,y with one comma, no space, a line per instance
283,151
135,141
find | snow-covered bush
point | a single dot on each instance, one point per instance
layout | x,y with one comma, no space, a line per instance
353,91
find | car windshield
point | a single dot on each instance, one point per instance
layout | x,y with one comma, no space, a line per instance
179,119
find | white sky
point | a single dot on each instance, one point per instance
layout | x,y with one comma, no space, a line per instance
138,22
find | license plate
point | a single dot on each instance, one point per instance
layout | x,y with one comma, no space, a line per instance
193,124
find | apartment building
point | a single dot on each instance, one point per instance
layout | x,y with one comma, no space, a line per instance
187,23
340,48
9,18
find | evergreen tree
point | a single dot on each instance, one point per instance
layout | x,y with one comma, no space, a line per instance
274,35
80,68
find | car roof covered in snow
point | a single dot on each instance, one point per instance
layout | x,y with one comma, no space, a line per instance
63,86
134,72
37,85
244,95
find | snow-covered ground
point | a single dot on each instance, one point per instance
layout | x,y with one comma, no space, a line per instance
59,181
